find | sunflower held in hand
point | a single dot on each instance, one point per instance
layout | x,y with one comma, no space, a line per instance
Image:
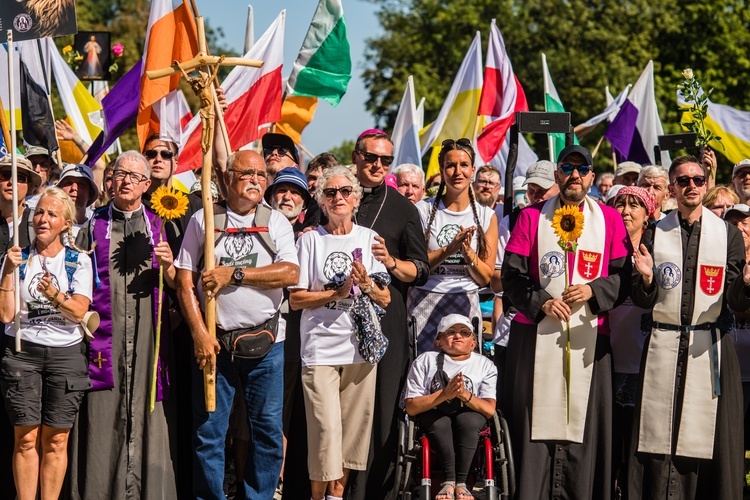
169,203
568,226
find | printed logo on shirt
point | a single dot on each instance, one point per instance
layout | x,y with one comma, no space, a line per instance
446,235
435,385
39,308
551,265
668,275
337,268
238,247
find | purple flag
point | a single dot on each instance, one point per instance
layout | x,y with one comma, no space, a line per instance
120,109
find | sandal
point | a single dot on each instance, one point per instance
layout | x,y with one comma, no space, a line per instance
447,492
462,493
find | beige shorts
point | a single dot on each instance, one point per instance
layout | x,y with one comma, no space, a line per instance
339,403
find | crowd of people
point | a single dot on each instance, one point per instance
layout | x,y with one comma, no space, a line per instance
621,359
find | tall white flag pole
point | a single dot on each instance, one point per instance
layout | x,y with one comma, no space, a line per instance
249,30
14,178
550,140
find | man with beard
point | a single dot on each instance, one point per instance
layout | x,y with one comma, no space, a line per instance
562,437
255,259
487,187
741,180
402,250
690,268
280,152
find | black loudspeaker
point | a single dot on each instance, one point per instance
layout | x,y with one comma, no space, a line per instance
677,141
537,122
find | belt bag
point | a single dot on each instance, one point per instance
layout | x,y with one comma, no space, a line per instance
250,343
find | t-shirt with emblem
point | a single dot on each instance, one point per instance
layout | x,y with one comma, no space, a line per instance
41,323
327,332
479,374
451,276
241,306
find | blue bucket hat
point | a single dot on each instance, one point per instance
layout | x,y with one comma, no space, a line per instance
289,175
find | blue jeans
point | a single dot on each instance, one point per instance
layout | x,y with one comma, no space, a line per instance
263,383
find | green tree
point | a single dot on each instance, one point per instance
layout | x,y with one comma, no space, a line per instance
343,152
589,44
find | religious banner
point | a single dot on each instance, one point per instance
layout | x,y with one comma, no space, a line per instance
31,19
94,48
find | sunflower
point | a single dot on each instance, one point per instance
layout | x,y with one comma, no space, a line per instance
568,223
169,203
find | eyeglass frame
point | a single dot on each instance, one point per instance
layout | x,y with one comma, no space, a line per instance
165,154
120,176
697,180
330,193
385,160
246,175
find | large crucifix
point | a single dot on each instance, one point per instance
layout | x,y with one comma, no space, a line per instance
204,88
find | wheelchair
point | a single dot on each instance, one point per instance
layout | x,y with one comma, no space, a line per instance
492,467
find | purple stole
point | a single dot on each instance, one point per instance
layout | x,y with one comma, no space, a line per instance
100,348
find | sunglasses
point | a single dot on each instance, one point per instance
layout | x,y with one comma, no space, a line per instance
461,143
465,333
346,192
568,168
165,154
280,151
6,176
372,158
684,181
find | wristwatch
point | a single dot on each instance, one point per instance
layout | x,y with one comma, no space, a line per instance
238,275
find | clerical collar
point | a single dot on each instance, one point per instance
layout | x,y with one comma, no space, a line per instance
126,214
376,189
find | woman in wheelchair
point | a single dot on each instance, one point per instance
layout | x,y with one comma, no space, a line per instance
453,393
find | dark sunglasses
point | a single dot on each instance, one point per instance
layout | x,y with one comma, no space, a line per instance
166,154
280,151
372,158
684,181
568,168
462,143
346,192
6,176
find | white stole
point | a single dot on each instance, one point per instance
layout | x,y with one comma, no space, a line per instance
698,417
549,421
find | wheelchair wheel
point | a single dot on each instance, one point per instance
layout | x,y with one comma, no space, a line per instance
504,457
405,458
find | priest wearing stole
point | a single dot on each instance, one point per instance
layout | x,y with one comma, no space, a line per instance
561,424
687,439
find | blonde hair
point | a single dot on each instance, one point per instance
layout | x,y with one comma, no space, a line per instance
68,213
720,190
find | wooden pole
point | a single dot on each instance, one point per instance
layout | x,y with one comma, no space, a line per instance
14,178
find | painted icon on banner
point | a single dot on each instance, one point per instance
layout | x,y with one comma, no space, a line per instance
31,19
95,51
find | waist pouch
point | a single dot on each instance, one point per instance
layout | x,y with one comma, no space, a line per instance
250,343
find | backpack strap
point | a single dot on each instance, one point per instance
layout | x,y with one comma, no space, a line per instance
25,252
262,218
71,264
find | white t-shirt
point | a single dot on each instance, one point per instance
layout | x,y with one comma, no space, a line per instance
241,306
40,322
451,276
327,332
479,373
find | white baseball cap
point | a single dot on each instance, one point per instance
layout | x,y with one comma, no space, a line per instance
453,320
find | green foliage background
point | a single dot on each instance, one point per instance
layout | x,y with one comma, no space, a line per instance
589,44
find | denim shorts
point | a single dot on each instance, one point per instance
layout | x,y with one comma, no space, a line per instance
43,385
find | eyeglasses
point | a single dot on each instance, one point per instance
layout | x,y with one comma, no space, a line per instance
464,332
486,183
165,154
462,143
684,181
280,151
346,192
568,168
742,173
246,175
386,160
6,176
135,177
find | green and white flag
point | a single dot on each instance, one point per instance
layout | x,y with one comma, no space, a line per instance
324,65
553,104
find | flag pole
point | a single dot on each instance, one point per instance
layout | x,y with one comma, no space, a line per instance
14,178
550,140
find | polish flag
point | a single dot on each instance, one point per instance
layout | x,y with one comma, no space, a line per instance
253,98
171,36
174,115
502,96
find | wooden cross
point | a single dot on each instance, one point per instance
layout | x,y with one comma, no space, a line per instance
99,359
203,87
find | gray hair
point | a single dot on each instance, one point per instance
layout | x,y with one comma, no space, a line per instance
136,156
605,175
331,172
409,168
653,172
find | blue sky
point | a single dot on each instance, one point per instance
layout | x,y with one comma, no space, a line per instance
331,125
